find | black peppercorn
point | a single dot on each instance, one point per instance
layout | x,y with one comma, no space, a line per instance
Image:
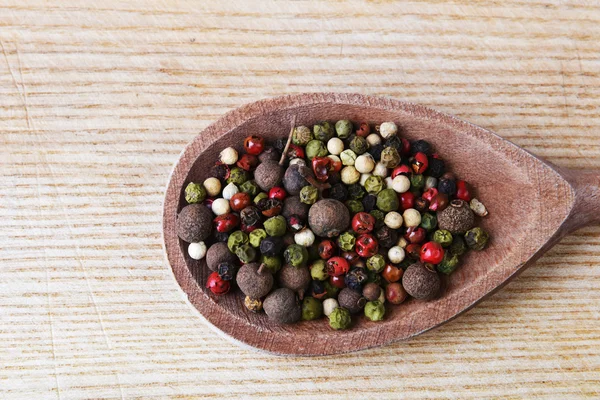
270,207
226,271
220,171
421,204
338,192
437,167
420,146
395,142
447,186
317,289
334,177
376,150
369,202
386,236
250,216
356,192
279,144
356,278
271,246
221,236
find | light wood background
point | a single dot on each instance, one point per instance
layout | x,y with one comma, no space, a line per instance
97,101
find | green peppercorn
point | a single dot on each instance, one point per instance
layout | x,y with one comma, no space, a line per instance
275,226
340,319
302,135
272,262
448,264
417,181
374,184
237,176
311,309
458,246
348,157
296,255
195,193
309,195
315,148
346,241
376,263
331,290
374,310
318,270
428,222
354,206
257,236
379,218
390,157
236,239
246,253
387,200
323,131
249,187
443,237
359,145
356,192
476,238
259,197
343,128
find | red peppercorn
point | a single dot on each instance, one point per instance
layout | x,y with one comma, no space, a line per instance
249,228
363,222
326,249
226,222
254,145
439,202
336,166
395,293
337,281
462,191
366,245
351,257
419,163
295,151
337,266
432,252
217,285
430,194
413,250
239,201
363,130
208,201
391,273
247,162
321,167
415,234
407,200
277,192
405,150
400,169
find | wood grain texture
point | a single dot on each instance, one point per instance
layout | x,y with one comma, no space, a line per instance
97,102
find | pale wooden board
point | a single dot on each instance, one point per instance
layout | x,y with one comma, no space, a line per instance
97,102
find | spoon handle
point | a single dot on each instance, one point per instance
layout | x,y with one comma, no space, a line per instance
586,210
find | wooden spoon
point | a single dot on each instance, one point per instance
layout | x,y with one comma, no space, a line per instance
532,205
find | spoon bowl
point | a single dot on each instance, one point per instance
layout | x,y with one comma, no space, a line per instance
532,205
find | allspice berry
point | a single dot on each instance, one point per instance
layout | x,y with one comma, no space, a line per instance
219,253
293,179
351,300
254,281
268,174
294,278
421,282
293,206
328,218
282,306
194,223
456,218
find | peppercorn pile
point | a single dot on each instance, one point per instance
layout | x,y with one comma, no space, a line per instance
335,220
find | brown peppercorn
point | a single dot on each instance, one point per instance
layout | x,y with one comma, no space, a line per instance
456,218
294,278
293,179
421,282
328,218
282,306
254,281
351,300
219,253
293,206
194,223
268,174
371,291
269,154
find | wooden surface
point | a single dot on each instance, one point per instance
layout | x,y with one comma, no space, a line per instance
97,102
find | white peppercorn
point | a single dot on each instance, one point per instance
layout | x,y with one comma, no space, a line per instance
393,220
350,175
478,208
380,170
220,206
335,146
212,186
228,156
197,251
363,179
402,242
388,129
364,163
401,184
230,190
412,217
329,305
396,254
299,161
305,238
430,182
373,139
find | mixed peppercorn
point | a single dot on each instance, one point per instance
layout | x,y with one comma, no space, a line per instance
335,220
